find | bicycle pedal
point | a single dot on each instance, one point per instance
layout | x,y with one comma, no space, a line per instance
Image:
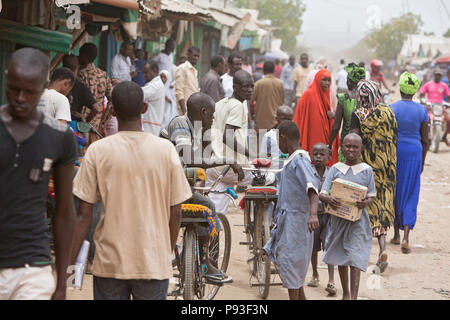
245,243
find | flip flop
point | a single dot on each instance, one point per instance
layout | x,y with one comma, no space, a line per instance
314,282
395,241
219,278
331,289
405,247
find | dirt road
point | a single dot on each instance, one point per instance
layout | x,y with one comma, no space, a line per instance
422,274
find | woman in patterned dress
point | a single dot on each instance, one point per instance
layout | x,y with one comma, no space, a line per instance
377,126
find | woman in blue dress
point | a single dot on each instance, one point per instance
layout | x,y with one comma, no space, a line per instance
292,238
348,243
412,146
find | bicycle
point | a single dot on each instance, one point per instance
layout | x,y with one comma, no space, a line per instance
191,280
259,205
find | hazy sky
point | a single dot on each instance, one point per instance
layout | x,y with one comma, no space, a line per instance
340,23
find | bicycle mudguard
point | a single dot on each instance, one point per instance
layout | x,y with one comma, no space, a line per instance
198,211
261,193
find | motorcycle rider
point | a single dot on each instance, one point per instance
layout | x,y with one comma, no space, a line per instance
436,91
378,76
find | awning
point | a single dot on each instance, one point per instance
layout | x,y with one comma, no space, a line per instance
184,11
44,39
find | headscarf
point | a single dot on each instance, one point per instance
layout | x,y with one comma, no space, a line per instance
355,73
409,83
368,97
311,116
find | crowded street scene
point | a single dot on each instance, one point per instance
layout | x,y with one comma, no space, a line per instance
224,150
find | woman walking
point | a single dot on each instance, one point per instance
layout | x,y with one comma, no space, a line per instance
412,146
376,125
346,105
313,115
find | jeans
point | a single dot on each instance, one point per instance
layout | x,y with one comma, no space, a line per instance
117,289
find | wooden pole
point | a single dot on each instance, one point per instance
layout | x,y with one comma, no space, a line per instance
58,58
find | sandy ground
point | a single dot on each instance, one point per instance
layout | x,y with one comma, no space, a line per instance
422,274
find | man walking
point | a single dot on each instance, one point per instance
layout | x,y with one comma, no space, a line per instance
154,96
299,76
211,83
141,183
186,81
34,146
268,97
288,83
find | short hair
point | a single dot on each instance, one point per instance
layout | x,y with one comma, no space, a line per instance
289,129
234,56
70,61
304,55
342,61
240,76
153,65
89,50
128,99
269,67
62,73
216,60
321,145
193,48
198,100
33,60
361,64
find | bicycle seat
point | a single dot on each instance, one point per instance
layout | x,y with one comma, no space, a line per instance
262,163
265,189
196,211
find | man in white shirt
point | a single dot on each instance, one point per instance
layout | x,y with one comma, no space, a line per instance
54,102
341,81
229,138
165,57
121,67
154,96
288,83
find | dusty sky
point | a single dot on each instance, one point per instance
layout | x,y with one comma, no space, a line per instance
340,23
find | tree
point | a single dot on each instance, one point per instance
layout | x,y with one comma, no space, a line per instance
285,14
447,34
388,40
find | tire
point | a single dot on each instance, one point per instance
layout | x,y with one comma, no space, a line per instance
436,138
262,235
249,222
189,262
219,250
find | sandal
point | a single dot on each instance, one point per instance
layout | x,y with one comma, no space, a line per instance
331,289
395,241
382,261
405,247
314,282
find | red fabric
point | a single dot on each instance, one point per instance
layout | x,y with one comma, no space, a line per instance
311,117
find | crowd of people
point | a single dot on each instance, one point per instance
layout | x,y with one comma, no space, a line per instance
152,118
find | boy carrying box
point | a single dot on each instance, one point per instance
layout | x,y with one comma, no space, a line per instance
348,243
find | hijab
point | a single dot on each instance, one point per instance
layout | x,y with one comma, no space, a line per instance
368,97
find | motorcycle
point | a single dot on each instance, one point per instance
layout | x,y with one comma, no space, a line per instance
437,124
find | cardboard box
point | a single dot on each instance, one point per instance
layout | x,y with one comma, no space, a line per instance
348,193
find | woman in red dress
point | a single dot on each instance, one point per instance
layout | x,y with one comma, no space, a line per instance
314,117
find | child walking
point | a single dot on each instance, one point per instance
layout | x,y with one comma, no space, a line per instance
320,154
349,243
290,246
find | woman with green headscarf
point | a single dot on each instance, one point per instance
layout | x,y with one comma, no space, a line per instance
346,105
412,146
376,124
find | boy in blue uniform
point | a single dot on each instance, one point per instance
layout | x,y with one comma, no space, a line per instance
291,244
320,154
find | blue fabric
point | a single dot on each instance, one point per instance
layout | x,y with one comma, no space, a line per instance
140,80
446,81
291,243
409,116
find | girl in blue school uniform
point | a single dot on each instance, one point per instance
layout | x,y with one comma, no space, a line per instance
291,243
348,243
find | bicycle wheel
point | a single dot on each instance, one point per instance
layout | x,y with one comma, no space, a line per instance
249,222
219,251
189,263
262,235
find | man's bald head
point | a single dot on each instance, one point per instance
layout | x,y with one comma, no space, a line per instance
31,62
201,107
284,113
242,85
241,77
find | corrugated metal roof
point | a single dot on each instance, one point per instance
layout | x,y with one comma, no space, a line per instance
183,8
223,18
